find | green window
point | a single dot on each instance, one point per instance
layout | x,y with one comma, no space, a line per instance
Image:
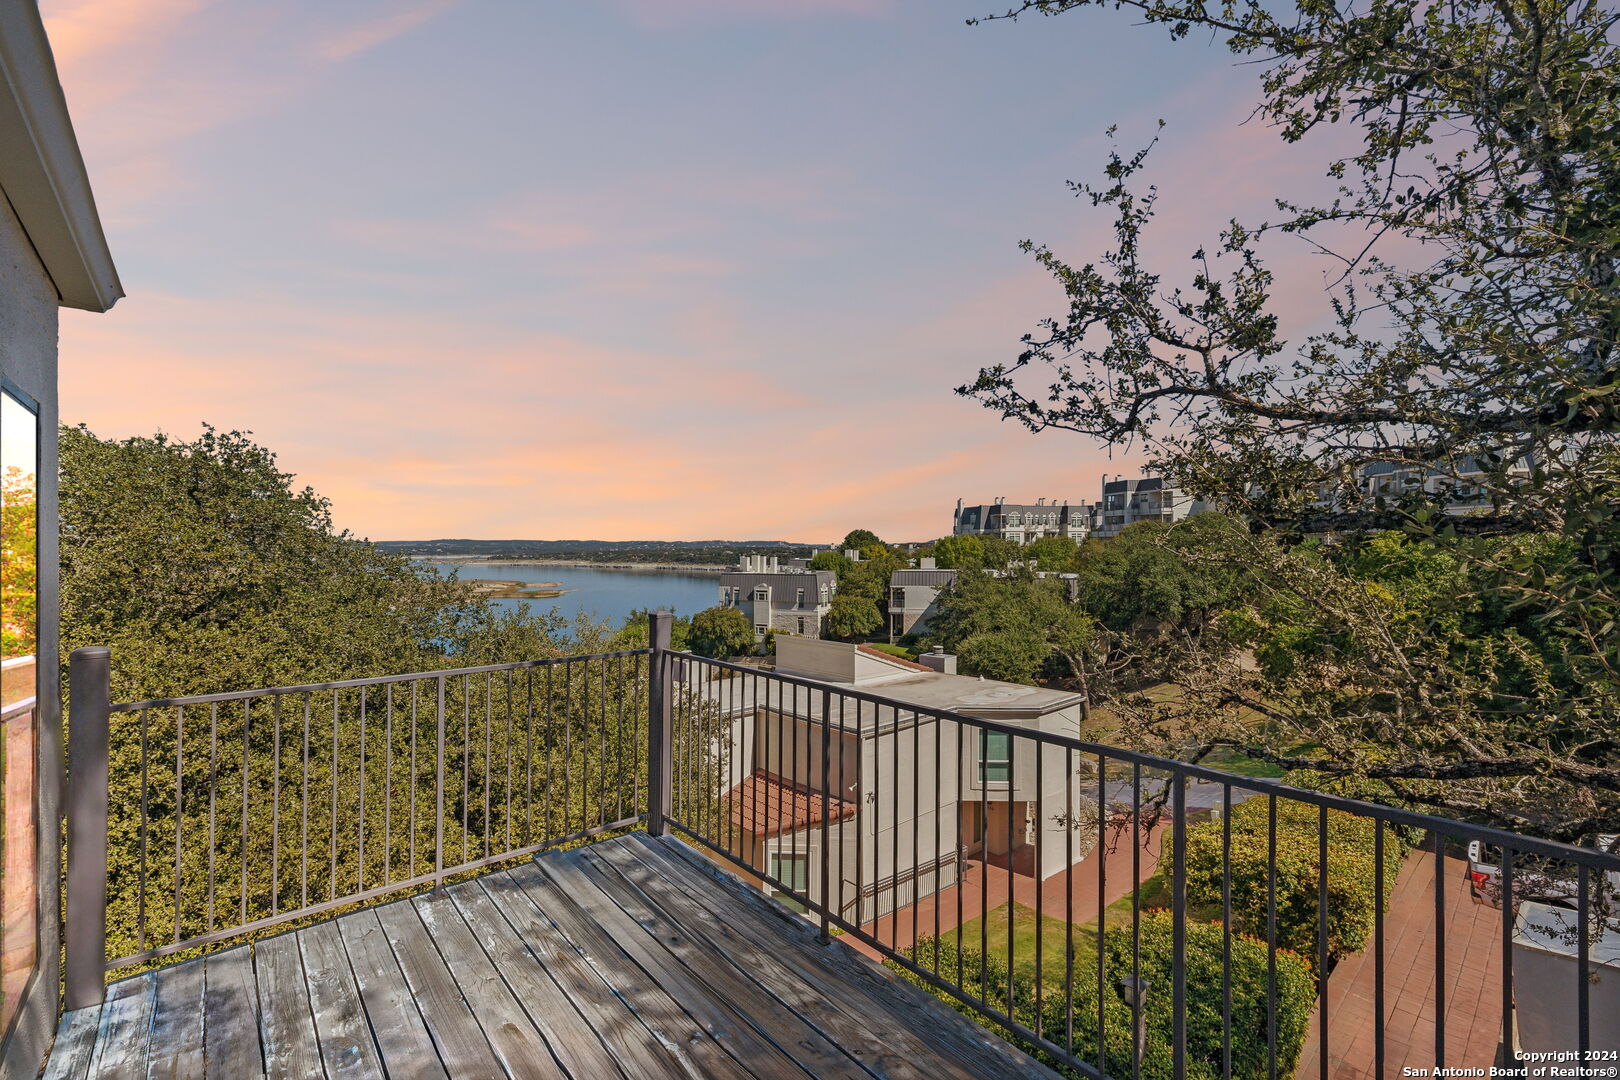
995,757
793,871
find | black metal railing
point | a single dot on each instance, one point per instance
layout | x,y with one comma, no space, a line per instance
1118,914
1082,896
219,815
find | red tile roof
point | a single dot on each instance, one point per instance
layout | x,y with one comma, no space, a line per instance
765,805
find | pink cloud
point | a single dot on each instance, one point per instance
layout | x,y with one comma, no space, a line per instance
352,40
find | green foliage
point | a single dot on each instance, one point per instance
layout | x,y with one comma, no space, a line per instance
1353,902
860,540
1161,576
1014,628
959,552
206,571
853,616
634,634
988,978
19,564
721,632
836,561
1053,554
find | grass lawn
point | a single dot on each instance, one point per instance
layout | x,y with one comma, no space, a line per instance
1053,943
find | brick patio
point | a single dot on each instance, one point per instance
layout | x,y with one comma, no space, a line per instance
1472,987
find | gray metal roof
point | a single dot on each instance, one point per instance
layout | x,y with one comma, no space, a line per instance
936,578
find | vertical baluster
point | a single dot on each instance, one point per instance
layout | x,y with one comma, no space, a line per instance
1069,781
1178,924
1583,965
360,822
507,807
331,893
826,814
1012,790
1040,868
528,756
1439,950
1102,907
415,723
1322,938
213,794
1378,951
247,757
466,764
1506,884
388,782
180,815
1226,932
438,794
1271,936
140,882
303,827
275,808
1136,905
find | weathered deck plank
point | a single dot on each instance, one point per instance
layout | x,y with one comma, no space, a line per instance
347,1049
630,958
665,1016
768,1014
177,1025
231,1017
126,1029
638,1051
75,1045
895,1052
511,1034
285,1026
576,1046
396,1022
459,1040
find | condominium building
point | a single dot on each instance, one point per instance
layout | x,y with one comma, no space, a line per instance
914,597
1145,498
1022,522
890,844
783,599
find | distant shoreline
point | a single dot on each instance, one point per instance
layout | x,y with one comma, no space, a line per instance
485,560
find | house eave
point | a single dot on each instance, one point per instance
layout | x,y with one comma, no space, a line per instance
42,173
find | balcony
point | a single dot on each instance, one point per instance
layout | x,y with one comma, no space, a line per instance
649,863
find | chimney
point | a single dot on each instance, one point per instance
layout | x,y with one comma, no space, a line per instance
940,660
926,563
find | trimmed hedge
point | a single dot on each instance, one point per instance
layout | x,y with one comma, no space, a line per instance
1296,993
1352,903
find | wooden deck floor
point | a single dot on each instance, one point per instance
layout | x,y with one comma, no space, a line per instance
630,958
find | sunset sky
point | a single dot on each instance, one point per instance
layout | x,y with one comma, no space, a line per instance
628,269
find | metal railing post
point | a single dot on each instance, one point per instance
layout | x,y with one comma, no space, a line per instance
660,632
89,682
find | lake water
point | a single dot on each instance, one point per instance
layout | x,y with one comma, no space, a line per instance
599,591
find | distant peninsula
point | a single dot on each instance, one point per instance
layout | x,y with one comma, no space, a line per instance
673,554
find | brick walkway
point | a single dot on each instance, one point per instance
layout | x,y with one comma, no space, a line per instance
987,888
1472,973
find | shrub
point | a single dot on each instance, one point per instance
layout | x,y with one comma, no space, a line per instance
1352,903
988,979
721,631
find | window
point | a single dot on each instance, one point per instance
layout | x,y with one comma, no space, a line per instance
801,627
995,757
19,628
798,601
793,871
